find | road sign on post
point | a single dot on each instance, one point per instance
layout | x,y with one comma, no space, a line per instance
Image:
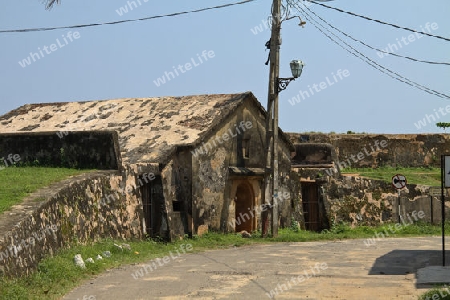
399,181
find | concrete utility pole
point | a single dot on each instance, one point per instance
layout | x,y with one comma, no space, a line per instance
271,170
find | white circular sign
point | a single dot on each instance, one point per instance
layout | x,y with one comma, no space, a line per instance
399,181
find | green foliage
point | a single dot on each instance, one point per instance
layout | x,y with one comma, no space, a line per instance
294,225
18,182
66,161
337,228
443,125
436,291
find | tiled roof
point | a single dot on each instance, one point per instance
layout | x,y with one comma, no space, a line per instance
149,128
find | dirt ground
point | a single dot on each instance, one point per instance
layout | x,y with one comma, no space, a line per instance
313,270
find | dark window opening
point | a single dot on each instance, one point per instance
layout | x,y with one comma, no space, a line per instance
246,148
177,206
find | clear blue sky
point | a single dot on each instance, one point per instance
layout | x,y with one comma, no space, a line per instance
121,61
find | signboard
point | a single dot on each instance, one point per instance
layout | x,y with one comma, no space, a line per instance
447,171
399,181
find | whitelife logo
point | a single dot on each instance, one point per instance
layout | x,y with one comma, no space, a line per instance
12,159
391,48
225,137
162,261
24,244
303,95
34,56
297,280
393,229
431,118
187,66
347,163
131,5
244,217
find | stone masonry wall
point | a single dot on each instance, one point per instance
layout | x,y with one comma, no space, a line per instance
84,149
405,150
211,182
361,201
86,208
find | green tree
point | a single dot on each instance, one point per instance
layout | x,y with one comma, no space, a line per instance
443,125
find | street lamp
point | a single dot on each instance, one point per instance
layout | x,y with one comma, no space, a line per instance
296,70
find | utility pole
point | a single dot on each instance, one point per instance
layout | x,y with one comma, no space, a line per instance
271,170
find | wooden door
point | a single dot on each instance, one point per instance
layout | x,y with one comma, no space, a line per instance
310,199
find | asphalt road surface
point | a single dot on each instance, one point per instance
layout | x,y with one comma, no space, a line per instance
313,270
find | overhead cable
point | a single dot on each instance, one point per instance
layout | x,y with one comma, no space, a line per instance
379,21
367,60
376,49
124,21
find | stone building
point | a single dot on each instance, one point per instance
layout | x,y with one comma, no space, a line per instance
314,163
327,197
180,162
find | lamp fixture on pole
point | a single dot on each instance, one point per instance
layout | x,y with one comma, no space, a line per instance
296,69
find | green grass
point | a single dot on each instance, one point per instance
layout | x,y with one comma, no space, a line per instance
48,282
445,290
426,176
18,182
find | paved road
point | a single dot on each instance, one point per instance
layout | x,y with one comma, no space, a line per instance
315,270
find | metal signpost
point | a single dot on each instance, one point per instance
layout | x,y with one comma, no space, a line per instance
445,183
399,182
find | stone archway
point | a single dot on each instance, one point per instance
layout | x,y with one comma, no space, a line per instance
244,214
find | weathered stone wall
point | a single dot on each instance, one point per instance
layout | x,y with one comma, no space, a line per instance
406,150
212,185
177,183
361,201
93,149
100,204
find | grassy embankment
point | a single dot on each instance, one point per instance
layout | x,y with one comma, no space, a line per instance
18,182
425,176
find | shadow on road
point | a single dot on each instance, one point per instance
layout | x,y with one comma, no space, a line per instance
401,262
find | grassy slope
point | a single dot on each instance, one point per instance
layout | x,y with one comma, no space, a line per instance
18,182
48,283
426,176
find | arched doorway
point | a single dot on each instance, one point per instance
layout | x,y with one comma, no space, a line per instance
244,214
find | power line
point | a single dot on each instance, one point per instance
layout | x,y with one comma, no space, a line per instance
368,60
381,22
376,49
124,21
375,64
